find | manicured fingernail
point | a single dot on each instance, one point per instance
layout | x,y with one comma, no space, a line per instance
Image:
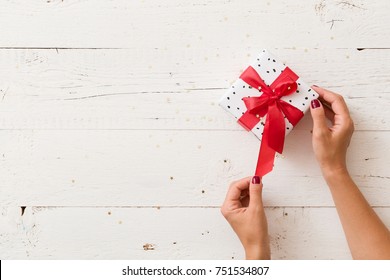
315,103
315,86
256,180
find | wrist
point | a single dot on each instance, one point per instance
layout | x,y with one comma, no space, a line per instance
335,173
263,253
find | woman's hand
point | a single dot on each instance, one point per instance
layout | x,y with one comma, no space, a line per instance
330,143
243,209
367,236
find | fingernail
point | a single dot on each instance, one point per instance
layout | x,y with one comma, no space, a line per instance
256,180
315,86
315,103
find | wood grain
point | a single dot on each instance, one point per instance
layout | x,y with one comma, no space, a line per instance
203,24
112,139
170,89
164,233
164,168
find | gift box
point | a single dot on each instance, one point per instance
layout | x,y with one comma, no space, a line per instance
268,99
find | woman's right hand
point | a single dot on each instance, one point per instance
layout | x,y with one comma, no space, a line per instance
330,144
367,236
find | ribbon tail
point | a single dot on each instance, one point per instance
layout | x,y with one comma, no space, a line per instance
275,126
265,161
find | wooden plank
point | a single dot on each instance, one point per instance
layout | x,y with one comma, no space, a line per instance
185,24
135,129
170,89
165,233
171,168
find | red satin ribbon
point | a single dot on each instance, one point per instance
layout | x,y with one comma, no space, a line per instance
270,104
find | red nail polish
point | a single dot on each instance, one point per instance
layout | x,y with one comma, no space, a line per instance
315,86
256,180
315,103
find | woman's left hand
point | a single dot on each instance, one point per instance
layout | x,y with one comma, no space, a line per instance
243,209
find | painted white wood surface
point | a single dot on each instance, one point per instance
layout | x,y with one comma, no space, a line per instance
165,233
169,89
172,168
200,23
111,135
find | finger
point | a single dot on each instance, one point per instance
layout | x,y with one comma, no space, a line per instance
329,114
255,193
328,109
318,115
245,201
325,103
245,193
336,101
236,188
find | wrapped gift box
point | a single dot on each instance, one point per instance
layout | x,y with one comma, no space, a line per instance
268,89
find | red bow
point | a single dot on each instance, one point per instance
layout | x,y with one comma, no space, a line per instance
270,104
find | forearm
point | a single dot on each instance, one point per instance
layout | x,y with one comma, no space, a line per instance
367,236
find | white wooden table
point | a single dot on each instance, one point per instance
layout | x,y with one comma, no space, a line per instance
111,136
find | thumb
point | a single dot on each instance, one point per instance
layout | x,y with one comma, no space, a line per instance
318,115
255,193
